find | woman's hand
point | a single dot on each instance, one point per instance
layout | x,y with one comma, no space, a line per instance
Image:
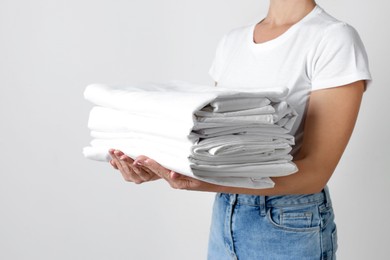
144,169
130,170
174,179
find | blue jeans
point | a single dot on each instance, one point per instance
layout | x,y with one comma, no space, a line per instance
289,227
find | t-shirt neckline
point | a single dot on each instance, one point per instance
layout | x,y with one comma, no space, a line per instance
281,38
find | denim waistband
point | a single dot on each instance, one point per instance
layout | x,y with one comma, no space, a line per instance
280,200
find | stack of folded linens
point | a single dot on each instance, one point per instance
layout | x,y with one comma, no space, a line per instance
229,137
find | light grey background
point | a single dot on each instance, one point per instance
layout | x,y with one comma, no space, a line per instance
54,204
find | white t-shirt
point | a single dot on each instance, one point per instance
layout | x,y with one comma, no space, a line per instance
316,53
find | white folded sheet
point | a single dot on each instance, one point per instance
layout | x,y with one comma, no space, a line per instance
107,119
229,105
207,112
177,99
232,138
164,153
110,120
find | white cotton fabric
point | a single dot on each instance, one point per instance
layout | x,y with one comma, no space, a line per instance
144,98
233,138
318,52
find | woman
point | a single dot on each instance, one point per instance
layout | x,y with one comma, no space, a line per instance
323,63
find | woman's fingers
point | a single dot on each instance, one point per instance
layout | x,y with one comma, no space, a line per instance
147,173
128,173
175,180
151,174
130,170
144,169
122,166
114,161
137,169
113,164
155,167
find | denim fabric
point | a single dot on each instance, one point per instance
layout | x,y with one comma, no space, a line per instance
247,227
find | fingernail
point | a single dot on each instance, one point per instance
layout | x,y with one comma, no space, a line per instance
146,162
138,163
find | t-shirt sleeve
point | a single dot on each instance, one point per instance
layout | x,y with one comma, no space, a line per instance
216,68
340,58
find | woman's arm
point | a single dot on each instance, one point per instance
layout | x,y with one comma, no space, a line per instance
330,120
329,123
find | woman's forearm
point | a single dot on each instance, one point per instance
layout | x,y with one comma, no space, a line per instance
306,181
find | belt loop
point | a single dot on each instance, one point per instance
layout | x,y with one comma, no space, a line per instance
262,203
328,201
